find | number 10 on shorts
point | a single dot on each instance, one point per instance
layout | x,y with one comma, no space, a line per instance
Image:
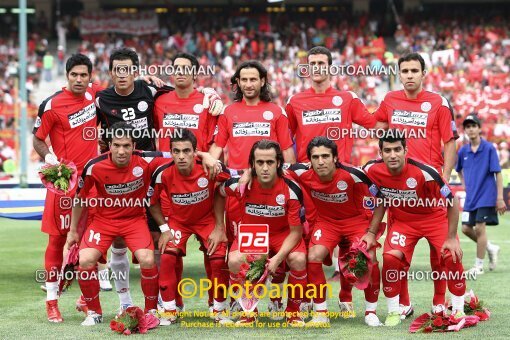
253,238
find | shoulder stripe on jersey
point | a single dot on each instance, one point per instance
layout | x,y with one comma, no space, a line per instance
354,95
283,111
232,183
370,163
288,100
358,175
87,169
156,176
299,168
294,190
46,104
445,190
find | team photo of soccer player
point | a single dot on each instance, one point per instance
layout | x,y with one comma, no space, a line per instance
254,169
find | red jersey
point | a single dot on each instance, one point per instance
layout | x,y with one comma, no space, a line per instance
430,113
339,199
121,185
241,125
278,207
191,197
171,112
419,183
314,114
71,123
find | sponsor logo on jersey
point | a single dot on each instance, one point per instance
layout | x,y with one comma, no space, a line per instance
81,117
38,122
445,191
140,123
150,191
409,118
373,189
399,194
181,120
322,116
332,198
190,198
264,210
80,182
124,188
247,129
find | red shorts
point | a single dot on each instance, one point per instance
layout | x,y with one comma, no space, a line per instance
183,232
100,235
330,235
276,242
56,219
404,237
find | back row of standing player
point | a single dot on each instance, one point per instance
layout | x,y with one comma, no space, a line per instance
252,117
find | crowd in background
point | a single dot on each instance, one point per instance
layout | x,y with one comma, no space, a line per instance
477,80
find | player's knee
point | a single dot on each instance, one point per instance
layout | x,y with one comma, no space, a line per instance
480,230
234,261
392,260
87,260
466,230
297,260
145,258
316,255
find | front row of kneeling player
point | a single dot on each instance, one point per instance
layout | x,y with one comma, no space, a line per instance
332,193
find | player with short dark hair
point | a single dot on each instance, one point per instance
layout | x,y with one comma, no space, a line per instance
403,180
276,201
191,197
338,192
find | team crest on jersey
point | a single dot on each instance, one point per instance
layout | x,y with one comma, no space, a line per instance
280,199
150,191
341,185
411,183
426,106
198,108
137,171
142,106
114,112
38,122
88,96
268,115
202,182
337,100
80,182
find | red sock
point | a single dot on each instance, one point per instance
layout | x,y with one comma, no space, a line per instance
317,278
455,270
53,257
372,291
179,267
219,292
392,267
167,277
208,271
90,288
345,294
439,285
295,295
150,288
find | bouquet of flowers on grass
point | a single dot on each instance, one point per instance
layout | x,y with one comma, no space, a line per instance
356,265
428,323
254,269
133,320
60,178
475,307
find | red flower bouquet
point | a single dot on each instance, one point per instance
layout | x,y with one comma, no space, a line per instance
60,178
475,307
428,323
356,265
133,320
254,270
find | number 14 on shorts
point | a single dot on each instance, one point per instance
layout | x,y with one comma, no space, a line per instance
253,238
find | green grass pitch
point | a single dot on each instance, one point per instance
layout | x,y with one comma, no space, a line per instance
22,303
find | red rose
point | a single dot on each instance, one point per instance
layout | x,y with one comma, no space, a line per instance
113,325
139,313
427,329
352,263
472,305
120,327
438,322
482,315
